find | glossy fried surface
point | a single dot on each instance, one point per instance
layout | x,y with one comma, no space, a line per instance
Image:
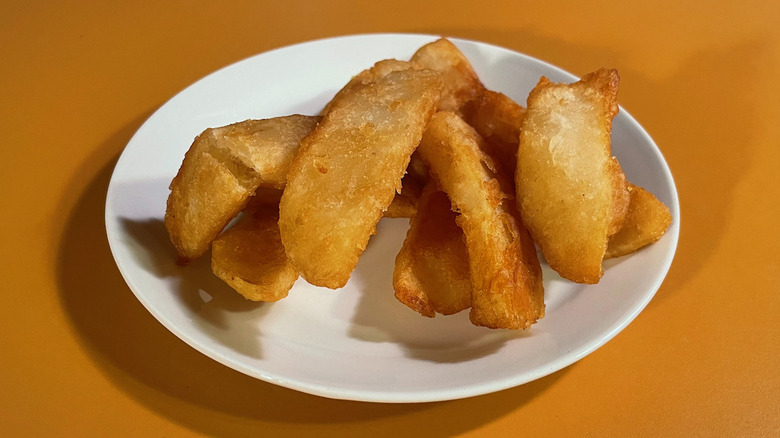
250,258
497,118
646,221
431,273
404,204
571,193
221,170
507,290
349,168
367,76
461,83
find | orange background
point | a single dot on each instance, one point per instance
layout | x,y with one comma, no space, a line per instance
80,356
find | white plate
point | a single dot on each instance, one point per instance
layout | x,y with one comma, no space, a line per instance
359,343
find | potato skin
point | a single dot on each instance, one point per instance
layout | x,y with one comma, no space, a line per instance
349,168
571,192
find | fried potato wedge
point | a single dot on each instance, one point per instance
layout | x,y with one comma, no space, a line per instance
495,115
461,83
250,258
417,170
265,196
348,170
221,170
404,204
497,118
571,192
367,76
431,273
401,207
621,197
506,277
646,221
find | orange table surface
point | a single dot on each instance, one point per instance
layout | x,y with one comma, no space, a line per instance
80,356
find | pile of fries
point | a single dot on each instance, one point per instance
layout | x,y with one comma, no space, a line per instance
484,181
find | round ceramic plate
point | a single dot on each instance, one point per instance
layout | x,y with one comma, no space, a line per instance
358,342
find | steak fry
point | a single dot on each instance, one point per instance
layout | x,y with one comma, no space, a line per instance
571,192
497,118
349,168
461,83
250,258
646,221
431,272
506,277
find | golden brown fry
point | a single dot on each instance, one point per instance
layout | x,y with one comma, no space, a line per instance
621,197
404,204
417,170
376,72
431,272
497,118
506,277
348,170
250,258
646,221
493,115
571,192
267,146
401,207
265,196
461,83
221,170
